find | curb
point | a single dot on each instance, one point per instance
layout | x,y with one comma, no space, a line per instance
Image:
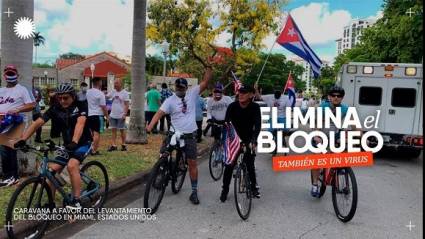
115,188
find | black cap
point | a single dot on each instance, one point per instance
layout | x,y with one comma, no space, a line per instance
181,82
246,89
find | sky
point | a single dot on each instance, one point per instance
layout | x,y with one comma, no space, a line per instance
92,26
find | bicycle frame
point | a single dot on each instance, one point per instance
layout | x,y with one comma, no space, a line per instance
45,173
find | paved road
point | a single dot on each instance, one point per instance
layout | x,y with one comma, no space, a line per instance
390,196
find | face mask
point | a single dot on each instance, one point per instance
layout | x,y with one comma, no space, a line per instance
83,89
180,94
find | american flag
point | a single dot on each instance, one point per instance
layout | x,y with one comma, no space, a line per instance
236,83
231,144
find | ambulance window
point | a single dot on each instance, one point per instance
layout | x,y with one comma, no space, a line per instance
370,95
403,97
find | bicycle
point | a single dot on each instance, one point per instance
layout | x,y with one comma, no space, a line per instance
35,194
171,166
216,160
339,179
242,186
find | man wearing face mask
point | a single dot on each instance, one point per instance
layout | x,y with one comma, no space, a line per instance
181,107
216,108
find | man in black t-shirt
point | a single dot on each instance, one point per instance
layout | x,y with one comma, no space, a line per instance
245,116
71,119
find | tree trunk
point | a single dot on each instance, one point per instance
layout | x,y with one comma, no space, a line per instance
19,53
137,132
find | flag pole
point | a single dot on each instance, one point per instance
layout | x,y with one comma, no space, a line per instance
268,55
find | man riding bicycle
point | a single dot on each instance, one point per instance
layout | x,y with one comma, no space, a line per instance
181,106
245,116
71,118
335,96
216,109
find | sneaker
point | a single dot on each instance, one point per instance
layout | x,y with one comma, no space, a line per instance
9,182
95,153
223,196
112,148
123,147
314,191
194,198
76,205
256,193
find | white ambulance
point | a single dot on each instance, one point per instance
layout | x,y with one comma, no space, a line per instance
396,90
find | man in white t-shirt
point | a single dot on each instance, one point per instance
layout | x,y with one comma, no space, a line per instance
119,110
277,100
14,99
181,106
96,102
216,109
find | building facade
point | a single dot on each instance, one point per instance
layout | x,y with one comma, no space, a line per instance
351,35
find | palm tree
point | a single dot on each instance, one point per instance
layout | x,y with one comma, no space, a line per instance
38,40
137,132
19,53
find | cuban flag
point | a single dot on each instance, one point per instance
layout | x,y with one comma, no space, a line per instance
236,83
231,144
290,86
292,39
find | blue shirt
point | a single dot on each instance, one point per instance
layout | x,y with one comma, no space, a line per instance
200,107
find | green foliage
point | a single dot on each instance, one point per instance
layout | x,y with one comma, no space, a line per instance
71,55
38,39
395,38
43,65
326,80
188,27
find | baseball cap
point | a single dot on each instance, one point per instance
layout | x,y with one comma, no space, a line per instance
218,87
181,82
246,89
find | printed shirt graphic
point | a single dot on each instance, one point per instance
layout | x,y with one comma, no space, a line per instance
118,103
14,97
217,109
183,120
95,99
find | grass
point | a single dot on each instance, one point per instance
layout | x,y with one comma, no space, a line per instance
119,164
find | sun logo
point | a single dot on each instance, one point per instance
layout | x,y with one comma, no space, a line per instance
24,28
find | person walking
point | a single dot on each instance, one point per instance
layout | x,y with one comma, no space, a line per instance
96,102
165,93
120,104
153,98
200,107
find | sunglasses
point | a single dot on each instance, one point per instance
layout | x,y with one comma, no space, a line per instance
339,96
64,98
184,108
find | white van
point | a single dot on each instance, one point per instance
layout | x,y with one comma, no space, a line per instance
396,90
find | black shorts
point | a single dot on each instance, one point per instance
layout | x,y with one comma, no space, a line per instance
190,148
95,122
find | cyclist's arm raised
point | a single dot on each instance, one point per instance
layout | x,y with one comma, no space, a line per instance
207,76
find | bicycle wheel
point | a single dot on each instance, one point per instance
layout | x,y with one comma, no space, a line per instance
344,194
35,194
243,195
94,175
156,185
179,171
216,162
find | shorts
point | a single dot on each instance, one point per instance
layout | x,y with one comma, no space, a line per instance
190,146
79,154
117,123
96,123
